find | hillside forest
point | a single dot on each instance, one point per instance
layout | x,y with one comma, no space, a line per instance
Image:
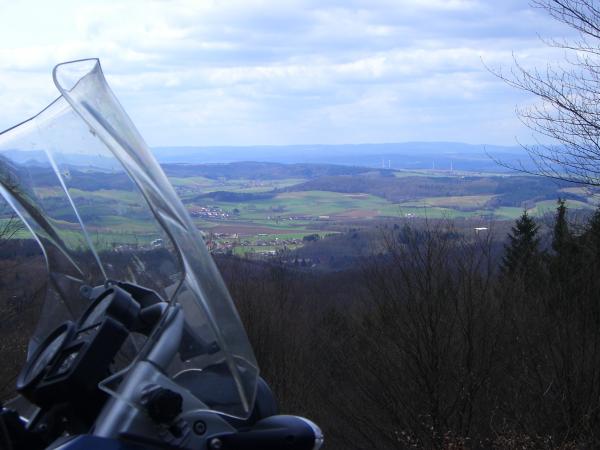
437,338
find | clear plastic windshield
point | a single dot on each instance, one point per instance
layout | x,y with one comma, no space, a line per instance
89,190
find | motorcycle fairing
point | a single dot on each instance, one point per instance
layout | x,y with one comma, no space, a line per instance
86,130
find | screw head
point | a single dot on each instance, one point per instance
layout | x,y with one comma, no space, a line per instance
199,427
216,444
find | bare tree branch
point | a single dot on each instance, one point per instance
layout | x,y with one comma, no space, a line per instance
568,108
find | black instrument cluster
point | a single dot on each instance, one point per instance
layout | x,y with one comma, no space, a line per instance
68,365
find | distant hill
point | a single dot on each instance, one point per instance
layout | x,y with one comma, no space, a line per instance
260,170
507,191
408,155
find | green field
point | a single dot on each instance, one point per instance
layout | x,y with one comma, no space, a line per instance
305,203
192,186
465,201
265,213
299,209
549,206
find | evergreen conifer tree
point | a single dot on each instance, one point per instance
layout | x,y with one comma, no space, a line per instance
590,241
565,264
593,231
561,238
522,253
594,223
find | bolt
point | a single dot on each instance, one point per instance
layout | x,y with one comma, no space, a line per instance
199,427
216,444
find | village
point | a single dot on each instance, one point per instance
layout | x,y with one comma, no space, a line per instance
261,244
208,212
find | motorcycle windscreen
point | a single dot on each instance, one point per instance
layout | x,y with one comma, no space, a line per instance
85,183
74,196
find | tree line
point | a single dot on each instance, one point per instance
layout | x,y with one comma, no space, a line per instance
438,342
437,338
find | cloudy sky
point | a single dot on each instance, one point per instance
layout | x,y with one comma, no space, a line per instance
246,72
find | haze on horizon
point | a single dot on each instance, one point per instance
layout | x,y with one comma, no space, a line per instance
252,72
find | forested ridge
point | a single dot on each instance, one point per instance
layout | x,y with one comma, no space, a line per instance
437,343
435,338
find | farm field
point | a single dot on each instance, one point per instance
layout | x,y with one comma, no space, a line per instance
259,208
193,185
469,202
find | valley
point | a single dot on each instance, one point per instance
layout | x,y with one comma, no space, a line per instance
262,209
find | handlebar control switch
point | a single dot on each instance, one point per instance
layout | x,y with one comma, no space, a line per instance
162,405
272,433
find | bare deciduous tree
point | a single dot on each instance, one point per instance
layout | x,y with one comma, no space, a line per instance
568,110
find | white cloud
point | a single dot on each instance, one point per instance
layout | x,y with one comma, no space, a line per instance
260,72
